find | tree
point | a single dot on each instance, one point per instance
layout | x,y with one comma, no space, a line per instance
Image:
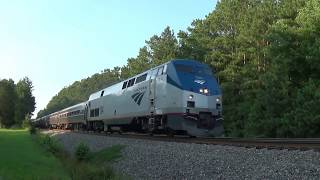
25,101
162,48
7,102
295,54
137,65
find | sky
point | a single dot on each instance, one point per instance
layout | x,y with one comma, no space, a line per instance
57,42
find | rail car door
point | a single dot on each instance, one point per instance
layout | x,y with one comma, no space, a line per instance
86,114
152,91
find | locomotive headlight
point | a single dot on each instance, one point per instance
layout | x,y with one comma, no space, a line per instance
201,90
190,96
206,91
218,99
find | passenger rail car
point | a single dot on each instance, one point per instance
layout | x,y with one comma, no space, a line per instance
180,96
69,118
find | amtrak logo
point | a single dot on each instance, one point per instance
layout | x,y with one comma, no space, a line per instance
199,81
137,97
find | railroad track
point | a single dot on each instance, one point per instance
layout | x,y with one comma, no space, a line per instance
302,144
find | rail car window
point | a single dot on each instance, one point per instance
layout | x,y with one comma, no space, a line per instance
154,73
131,82
124,85
141,78
92,113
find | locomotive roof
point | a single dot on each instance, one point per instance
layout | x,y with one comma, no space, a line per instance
118,85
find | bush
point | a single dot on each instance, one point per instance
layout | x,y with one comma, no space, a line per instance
26,123
51,145
15,127
82,152
32,130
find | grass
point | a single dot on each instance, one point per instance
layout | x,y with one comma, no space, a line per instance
22,158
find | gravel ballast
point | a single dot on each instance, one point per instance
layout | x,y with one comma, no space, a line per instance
145,159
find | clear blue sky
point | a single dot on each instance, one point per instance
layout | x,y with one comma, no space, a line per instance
58,42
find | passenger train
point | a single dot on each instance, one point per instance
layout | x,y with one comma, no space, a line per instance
178,97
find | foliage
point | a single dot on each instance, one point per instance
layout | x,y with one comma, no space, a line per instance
16,102
7,102
25,102
279,109
50,145
82,152
32,129
265,55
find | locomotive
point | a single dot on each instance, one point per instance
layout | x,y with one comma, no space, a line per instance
177,97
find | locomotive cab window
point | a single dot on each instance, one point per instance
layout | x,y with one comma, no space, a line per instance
184,68
131,82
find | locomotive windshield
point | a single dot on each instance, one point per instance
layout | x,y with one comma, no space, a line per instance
194,76
197,70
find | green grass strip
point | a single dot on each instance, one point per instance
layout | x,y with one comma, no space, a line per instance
22,158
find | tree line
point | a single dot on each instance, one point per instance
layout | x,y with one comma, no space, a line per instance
16,102
265,55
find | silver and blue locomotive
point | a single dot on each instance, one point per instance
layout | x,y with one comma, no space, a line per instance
178,97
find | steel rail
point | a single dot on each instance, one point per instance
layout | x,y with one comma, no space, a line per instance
258,143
